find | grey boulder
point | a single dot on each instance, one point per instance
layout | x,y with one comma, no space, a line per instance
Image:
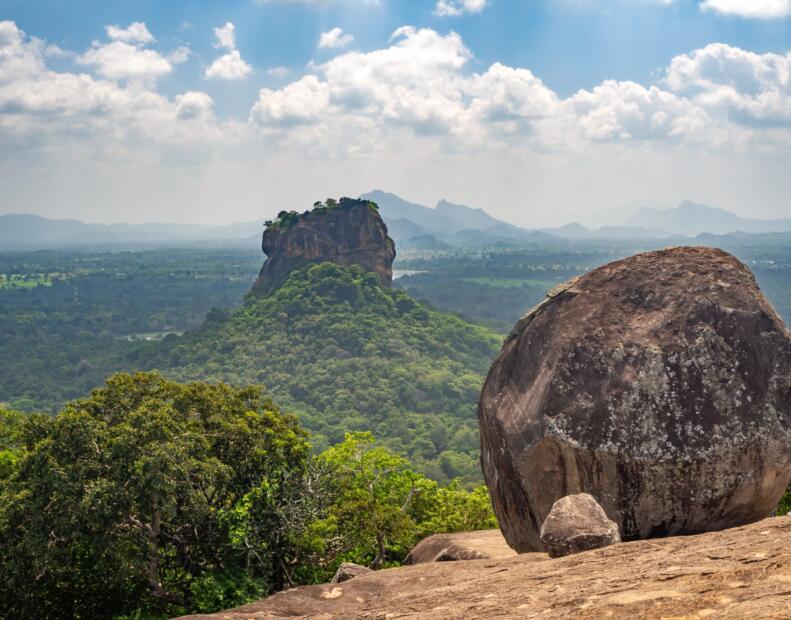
577,523
660,384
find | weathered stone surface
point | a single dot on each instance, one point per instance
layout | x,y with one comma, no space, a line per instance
734,574
349,570
660,384
351,233
480,545
577,523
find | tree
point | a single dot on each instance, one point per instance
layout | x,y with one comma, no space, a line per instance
375,492
120,502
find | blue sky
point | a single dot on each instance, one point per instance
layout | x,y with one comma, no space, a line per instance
496,101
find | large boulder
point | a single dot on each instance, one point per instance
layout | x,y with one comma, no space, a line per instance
577,523
660,384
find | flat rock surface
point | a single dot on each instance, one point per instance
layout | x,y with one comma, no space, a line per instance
480,545
743,572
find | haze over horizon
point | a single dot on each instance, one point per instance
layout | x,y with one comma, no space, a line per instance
541,113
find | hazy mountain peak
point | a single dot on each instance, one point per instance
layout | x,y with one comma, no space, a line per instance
691,219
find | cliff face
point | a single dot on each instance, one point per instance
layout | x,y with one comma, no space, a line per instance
349,233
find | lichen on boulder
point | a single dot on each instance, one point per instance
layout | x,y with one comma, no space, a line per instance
660,384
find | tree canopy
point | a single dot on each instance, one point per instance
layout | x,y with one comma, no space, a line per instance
155,498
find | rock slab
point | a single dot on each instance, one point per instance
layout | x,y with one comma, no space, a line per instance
349,570
577,523
660,384
730,575
351,233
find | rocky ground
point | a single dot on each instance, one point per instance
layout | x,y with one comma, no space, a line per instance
743,572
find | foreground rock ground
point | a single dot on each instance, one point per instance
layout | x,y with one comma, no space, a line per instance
739,573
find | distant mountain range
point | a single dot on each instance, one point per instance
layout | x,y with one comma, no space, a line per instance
693,219
412,226
26,230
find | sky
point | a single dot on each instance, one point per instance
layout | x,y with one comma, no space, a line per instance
539,111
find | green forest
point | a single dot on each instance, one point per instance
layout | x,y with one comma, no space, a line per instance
150,499
347,354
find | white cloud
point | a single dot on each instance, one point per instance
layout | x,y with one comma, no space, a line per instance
618,111
303,101
226,36
193,105
35,100
229,66
738,85
760,9
335,38
17,59
454,8
278,72
136,32
119,61
179,55
126,58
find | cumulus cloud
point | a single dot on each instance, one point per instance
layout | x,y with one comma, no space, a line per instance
193,105
419,83
335,38
303,101
36,100
136,32
127,58
18,59
453,8
760,9
119,60
226,36
617,111
229,66
278,72
735,84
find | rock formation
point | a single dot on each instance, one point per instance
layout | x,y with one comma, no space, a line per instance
481,545
577,523
660,384
349,232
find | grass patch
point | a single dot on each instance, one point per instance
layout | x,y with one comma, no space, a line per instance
15,280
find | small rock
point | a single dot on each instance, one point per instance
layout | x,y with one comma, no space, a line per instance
349,570
577,523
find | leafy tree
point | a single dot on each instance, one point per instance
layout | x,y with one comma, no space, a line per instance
11,441
120,502
375,493
380,507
